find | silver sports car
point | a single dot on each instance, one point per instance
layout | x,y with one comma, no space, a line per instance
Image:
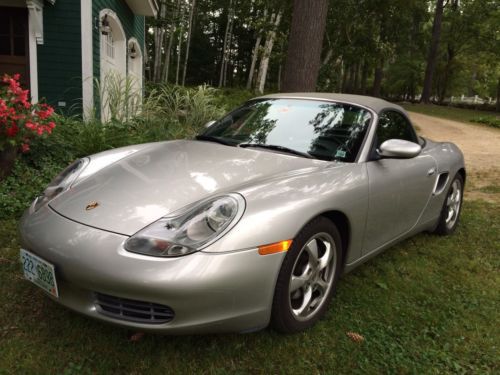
249,224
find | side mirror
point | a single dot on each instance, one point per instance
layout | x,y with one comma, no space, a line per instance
398,148
209,124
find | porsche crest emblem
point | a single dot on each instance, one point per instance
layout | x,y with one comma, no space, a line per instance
91,206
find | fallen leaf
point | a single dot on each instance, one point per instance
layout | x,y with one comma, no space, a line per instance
137,336
356,337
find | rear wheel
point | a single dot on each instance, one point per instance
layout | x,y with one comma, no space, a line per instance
308,277
450,213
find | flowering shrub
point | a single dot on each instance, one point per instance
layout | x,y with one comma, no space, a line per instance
20,120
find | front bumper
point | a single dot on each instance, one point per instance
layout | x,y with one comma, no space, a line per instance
209,292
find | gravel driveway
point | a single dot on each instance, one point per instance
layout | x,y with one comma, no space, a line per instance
481,148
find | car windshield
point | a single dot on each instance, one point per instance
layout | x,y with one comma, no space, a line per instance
310,128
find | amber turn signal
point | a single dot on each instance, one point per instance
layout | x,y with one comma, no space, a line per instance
277,247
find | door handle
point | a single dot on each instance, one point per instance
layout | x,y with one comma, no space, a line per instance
431,171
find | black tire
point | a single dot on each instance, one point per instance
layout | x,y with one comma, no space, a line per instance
322,232
445,226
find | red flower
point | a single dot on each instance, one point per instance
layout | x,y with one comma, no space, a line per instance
12,131
21,120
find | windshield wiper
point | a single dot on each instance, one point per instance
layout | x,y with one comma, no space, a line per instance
277,148
213,139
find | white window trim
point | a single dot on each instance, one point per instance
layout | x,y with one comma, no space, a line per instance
35,31
87,59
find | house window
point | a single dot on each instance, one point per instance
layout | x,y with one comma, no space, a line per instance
110,46
12,33
14,43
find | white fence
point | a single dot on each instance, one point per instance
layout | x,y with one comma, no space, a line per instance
464,99
471,100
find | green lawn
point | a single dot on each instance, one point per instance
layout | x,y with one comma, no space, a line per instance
429,305
457,114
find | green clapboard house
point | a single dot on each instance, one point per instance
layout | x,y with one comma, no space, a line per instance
62,48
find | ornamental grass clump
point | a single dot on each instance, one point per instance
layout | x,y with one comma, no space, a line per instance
20,121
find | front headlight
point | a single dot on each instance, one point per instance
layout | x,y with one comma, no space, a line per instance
190,230
61,183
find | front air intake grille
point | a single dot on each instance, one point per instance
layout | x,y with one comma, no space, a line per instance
133,311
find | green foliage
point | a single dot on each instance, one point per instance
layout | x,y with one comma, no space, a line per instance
120,95
28,179
493,121
229,99
192,107
457,114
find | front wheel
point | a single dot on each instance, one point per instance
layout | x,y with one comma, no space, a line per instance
450,213
308,277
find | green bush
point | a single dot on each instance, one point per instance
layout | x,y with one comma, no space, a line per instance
28,179
229,99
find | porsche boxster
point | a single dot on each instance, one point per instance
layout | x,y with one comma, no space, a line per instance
250,223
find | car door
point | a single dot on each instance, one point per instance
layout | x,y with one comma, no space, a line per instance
399,189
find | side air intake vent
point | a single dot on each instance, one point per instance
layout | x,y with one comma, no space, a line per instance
441,183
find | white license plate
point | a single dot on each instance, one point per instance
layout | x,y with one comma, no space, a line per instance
39,272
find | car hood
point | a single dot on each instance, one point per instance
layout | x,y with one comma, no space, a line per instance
164,177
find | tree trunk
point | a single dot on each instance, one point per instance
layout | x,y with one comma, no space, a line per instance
345,78
255,54
377,80
179,49
305,44
349,79
498,95
188,42
7,159
268,48
327,57
229,52
356,78
433,50
280,68
224,47
159,33
166,65
340,78
364,77
447,73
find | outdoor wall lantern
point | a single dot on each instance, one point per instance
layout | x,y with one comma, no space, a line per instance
105,28
132,51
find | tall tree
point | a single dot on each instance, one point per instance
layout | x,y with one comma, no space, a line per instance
179,47
188,42
159,32
266,54
225,46
433,51
255,53
173,29
304,45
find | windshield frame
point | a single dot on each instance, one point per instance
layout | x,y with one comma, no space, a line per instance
368,133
